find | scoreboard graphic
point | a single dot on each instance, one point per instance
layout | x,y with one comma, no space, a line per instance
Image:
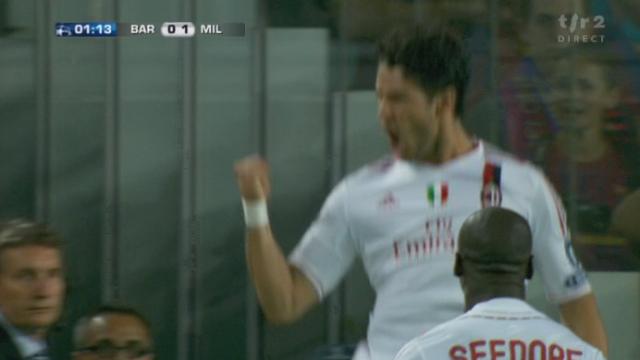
93,29
174,29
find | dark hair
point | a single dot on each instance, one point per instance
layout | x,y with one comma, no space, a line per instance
435,58
107,309
20,232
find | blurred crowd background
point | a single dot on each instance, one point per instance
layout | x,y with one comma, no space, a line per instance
126,146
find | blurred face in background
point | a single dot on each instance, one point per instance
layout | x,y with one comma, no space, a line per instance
580,94
31,287
115,337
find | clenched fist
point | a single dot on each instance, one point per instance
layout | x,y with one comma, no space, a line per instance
252,175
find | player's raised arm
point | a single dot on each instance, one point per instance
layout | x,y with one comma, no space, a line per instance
284,292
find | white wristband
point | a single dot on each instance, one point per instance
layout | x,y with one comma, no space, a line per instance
255,213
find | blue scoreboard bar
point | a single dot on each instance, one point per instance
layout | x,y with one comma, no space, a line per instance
87,29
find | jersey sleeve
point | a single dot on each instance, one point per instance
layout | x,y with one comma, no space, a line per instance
327,249
598,356
410,351
554,259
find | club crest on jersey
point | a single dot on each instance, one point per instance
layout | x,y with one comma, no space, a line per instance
491,193
491,196
438,194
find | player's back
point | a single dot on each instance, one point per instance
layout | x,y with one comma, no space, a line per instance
503,328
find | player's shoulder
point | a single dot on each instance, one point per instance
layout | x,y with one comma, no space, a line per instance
495,154
372,171
363,178
410,351
564,335
428,343
516,169
444,332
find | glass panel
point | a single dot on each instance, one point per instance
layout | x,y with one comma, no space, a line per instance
77,91
297,80
225,128
149,154
17,108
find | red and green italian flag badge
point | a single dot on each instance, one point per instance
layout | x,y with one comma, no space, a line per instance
438,194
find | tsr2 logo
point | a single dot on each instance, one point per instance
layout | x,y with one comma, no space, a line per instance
585,25
598,22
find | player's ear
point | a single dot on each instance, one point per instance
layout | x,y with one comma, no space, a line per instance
445,101
529,273
457,266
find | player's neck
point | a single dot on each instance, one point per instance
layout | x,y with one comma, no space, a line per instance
453,142
485,292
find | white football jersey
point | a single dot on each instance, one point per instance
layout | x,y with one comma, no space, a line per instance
403,219
502,328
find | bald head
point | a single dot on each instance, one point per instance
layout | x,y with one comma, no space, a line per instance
495,239
112,331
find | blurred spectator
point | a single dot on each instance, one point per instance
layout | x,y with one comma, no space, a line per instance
623,33
583,161
564,113
529,121
32,288
580,96
113,332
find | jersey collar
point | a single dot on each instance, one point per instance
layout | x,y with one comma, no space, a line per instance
462,161
502,304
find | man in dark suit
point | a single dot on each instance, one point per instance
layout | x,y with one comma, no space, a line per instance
32,288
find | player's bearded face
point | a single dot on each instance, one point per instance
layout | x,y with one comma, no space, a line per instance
406,114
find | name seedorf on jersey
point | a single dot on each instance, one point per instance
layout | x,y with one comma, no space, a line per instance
512,349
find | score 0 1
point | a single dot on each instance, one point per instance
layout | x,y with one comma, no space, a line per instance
178,29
